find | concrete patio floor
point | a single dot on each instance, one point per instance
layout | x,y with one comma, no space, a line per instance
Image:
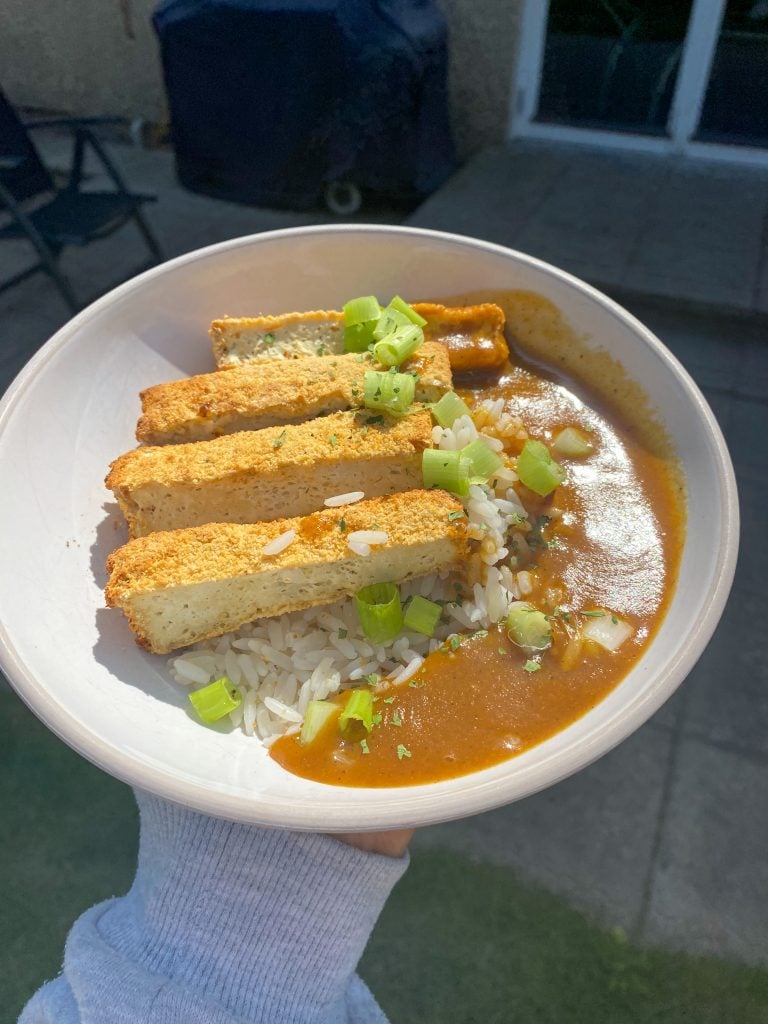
666,836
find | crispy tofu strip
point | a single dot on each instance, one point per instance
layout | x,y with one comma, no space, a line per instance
183,586
270,394
474,335
258,475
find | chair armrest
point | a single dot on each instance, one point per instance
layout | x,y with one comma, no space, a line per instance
73,122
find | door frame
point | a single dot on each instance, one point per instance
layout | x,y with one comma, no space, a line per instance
690,89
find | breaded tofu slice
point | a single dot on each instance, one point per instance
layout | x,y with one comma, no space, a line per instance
258,475
474,335
187,585
271,394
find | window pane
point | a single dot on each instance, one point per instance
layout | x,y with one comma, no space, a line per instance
736,103
612,64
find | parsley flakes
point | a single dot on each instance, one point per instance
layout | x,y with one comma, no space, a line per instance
402,752
279,441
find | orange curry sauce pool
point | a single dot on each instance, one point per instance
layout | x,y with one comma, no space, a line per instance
616,545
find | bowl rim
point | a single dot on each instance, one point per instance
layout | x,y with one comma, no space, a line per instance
485,795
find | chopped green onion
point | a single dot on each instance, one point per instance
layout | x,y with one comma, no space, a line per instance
402,307
449,408
572,443
358,709
389,392
483,461
531,666
398,346
528,627
364,746
216,700
396,719
379,611
422,615
362,310
360,319
458,514
389,321
389,700
454,642
594,615
317,715
402,752
448,470
537,469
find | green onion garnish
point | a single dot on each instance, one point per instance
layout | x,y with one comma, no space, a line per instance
379,611
317,715
390,321
360,319
422,616
395,348
402,307
448,409
402,752
572,443
538,470
364,746
358,709
216,700
527,627
483,461
531,666
396,719
389,392
448,470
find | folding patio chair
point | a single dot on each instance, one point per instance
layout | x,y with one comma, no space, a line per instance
51,218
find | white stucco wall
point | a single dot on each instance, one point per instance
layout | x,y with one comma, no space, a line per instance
100,57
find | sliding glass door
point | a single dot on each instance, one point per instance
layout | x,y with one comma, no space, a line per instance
659,75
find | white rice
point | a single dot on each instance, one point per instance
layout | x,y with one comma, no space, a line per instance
279,543
282,663
344,499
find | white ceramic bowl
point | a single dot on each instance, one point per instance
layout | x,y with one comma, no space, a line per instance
73,409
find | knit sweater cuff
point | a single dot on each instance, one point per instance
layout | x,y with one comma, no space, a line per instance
267,924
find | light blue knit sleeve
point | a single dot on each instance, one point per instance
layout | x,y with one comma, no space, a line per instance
225,924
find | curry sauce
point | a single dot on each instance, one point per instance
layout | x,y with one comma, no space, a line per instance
610,537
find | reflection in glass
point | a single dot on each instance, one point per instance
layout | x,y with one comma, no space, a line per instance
735,107
612,64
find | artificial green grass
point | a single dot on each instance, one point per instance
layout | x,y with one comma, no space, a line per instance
68,839
465,943
458,943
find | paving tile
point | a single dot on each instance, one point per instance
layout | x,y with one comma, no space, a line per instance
727,698
703,240
494,195
710,886
752,566
748,433
752,379
589,838
708,346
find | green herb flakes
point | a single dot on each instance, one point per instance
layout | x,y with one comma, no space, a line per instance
279,441
333,440
376,720
372,678
396,719
531,666
416,686
364,746
269,339
454,642
389,700
593,615
402,752
342,524
458,514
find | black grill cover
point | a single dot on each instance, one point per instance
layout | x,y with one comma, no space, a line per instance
271,100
